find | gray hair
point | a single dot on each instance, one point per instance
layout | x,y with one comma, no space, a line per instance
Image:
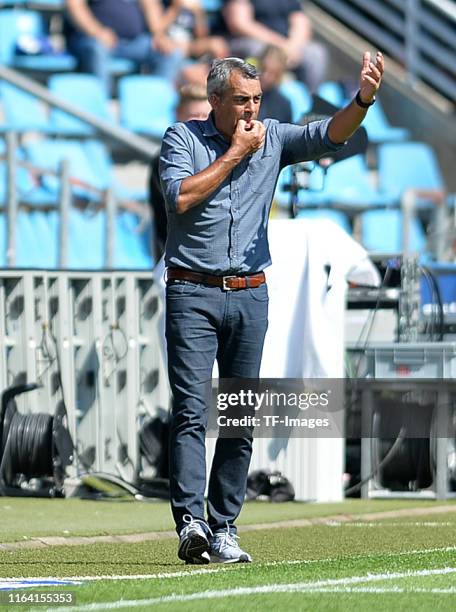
218,79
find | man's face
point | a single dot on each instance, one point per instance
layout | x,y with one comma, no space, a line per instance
240,101
193,109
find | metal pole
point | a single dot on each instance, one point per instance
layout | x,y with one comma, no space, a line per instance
11,147
111,211
65,202
146,147
440,232
408,215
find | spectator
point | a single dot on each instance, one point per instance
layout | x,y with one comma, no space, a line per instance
253,24
97,30
193,104
274,105
185,23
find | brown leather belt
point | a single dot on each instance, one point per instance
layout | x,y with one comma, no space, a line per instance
227,283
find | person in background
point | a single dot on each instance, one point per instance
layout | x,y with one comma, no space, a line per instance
193,104
274,105
97,30
253,24
185,22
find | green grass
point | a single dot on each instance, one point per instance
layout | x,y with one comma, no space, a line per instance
292,556
74,517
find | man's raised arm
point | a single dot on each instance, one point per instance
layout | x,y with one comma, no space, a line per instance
348,119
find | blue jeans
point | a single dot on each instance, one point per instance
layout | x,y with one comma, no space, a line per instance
204,323
93,57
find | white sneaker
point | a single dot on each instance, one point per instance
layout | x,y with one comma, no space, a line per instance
225,549
193,543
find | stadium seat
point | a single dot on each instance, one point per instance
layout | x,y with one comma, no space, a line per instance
3,244
86,92
147,104
381,231
17,24
378,127
131,249
100,160
409,165
50,153
29,188
299,97
36,245
22,111
332,92
345,184
211,5
86,228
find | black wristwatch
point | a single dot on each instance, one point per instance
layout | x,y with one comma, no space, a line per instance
359,102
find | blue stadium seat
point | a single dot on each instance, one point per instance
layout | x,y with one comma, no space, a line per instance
409,165
49,154
332,92
131,249
87,239
378,127
101,162
22,111
3,244
147,104
86,92
212,5
17,23
381,231
299,97
29,188
36,245
346,184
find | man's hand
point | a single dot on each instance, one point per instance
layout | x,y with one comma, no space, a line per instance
107,37
371,76
248,137
163,44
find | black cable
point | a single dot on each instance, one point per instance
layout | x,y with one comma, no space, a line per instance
386,459
441,320
28,447
431,324
372,317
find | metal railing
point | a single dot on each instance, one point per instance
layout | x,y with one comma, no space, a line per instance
421,34
142,147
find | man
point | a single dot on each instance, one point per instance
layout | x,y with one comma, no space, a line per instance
192,104
218,178
253,24
97,30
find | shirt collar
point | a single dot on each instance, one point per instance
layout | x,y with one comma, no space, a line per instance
209,128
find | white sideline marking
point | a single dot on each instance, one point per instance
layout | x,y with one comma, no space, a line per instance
300,587
190,572
393,524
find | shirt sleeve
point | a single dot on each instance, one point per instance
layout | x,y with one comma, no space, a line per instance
306,142
176,163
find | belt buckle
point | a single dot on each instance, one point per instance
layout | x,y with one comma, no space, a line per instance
224,280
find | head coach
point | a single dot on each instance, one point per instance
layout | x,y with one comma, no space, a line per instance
218,177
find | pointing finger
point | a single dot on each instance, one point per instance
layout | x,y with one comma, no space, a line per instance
366,60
